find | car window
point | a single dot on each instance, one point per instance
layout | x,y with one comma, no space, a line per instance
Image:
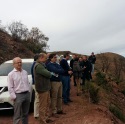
8,67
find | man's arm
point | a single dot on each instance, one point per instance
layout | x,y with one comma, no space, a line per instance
11,87
57,70
43,71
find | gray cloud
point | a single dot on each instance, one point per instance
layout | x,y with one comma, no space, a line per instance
80,26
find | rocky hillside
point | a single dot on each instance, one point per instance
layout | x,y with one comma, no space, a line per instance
10,48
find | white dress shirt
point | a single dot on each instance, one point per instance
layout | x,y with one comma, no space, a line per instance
17,82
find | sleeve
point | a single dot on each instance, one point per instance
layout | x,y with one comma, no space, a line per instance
11,87
43,71
56,70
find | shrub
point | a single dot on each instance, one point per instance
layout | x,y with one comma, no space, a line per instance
117,112
100,77
94,93
102,81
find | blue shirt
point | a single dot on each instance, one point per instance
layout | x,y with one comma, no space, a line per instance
65,66
57,69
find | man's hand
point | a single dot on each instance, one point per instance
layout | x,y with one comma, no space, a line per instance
70,72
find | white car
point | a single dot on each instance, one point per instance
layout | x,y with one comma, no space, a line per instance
5,68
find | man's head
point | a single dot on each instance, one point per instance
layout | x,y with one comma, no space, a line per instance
53,57
17,63
92,53
84,58
42,57
66,56
80,59
74,56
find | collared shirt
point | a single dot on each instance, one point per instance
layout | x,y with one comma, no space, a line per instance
17,82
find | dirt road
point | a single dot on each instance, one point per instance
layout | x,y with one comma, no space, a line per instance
80,111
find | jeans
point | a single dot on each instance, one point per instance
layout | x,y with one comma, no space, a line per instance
66,88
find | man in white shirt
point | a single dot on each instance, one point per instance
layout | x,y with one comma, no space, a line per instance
18,87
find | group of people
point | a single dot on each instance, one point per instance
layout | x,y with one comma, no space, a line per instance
51,83
83,68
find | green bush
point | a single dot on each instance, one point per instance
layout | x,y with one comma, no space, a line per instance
102,81
94,93
117,112
100,77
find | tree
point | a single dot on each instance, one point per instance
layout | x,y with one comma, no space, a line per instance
38,38
18,31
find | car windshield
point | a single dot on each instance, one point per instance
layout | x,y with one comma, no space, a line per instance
5,68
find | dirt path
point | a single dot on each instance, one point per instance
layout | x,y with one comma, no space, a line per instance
80,111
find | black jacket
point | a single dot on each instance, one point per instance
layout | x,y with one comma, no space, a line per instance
92,59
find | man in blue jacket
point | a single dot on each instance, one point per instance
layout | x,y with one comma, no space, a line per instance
66,78
56,85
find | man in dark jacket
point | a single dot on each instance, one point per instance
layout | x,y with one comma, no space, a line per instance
66,78
71,65
42,84
36,101
56,85
92,59
86,73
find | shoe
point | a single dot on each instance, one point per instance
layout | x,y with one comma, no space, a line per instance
36,117
70,100
78,94
49,121
66,103
55,115
61,112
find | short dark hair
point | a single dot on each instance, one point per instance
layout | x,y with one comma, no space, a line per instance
36,57
52,55
66,54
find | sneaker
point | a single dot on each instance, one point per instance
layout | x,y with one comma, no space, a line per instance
61,112
55,115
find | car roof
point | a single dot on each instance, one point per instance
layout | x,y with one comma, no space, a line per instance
23,60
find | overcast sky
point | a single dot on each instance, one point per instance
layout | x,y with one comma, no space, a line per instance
81,26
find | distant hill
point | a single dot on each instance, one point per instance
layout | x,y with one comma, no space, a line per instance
111,63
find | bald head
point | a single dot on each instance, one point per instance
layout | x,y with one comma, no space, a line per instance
17,63
42,57
16,59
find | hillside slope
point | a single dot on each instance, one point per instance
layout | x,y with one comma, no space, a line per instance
10,48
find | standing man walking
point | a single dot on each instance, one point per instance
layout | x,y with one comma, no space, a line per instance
66,78
42,84
92,59
18,87
56,85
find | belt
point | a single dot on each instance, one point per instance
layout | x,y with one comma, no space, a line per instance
23,92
